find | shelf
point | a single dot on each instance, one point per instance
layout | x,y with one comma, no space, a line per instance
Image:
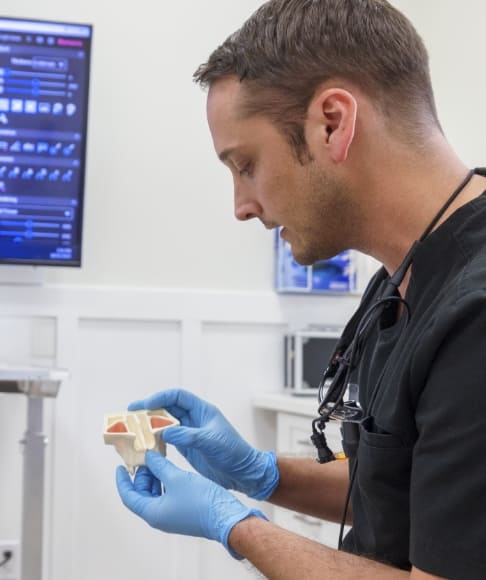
32,381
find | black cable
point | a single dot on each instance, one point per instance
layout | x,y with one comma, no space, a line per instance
346,503
353,350
388,294
397,277
369,318
373,397
453,196
7,556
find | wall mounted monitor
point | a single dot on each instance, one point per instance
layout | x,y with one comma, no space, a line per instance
44,82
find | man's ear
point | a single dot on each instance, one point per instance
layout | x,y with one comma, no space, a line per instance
332,122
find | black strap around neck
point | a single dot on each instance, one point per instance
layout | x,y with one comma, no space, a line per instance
397,277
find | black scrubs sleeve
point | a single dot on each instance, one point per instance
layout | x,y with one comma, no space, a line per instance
448,491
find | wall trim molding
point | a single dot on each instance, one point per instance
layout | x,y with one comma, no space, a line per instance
172,304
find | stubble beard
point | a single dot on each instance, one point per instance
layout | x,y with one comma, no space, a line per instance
327,227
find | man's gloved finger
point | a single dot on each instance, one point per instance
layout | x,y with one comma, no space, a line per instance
181,436
137,405
180,398
168,399
161,467
162,399
141,505
130,497
123,479
157,487
143,481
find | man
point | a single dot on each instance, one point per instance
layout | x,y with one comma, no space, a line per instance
324,113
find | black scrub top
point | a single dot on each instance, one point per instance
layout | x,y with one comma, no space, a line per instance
419,496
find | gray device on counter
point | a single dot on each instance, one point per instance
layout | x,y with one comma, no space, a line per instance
307,354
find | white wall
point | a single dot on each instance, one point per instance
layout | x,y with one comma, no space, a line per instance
158,202
453,34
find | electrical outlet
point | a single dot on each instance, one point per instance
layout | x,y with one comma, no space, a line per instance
11,569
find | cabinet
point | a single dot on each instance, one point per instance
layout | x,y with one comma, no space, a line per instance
293,421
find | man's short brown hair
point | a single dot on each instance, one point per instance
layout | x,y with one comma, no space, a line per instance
287,48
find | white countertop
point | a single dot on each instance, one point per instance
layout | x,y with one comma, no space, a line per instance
299,405
32,381
14,373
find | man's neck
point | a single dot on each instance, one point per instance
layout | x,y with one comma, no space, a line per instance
401,202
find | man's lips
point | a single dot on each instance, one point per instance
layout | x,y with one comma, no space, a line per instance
270,225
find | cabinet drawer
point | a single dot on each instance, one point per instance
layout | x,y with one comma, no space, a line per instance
294,431
293,438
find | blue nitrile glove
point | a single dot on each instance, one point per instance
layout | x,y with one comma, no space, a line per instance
190,504
212,446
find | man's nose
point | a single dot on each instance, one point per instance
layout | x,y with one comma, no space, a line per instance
246,208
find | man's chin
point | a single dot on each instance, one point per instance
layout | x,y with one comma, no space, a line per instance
304,259
305,255
310,258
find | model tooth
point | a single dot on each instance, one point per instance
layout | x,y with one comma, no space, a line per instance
135,432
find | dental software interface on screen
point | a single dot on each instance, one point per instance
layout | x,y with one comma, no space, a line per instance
44,78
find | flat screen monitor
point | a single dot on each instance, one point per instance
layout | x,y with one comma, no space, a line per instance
44,82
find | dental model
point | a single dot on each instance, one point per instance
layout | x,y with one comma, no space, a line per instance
135,432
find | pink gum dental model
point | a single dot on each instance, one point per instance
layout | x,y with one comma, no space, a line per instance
135,432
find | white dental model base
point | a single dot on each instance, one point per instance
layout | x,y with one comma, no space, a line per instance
135,432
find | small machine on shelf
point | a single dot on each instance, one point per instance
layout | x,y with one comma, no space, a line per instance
306,355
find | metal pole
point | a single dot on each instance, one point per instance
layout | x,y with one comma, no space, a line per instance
33,492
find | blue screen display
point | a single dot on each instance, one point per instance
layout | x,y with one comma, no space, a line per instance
44,82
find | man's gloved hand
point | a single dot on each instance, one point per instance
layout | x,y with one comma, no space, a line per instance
189,503
212,446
